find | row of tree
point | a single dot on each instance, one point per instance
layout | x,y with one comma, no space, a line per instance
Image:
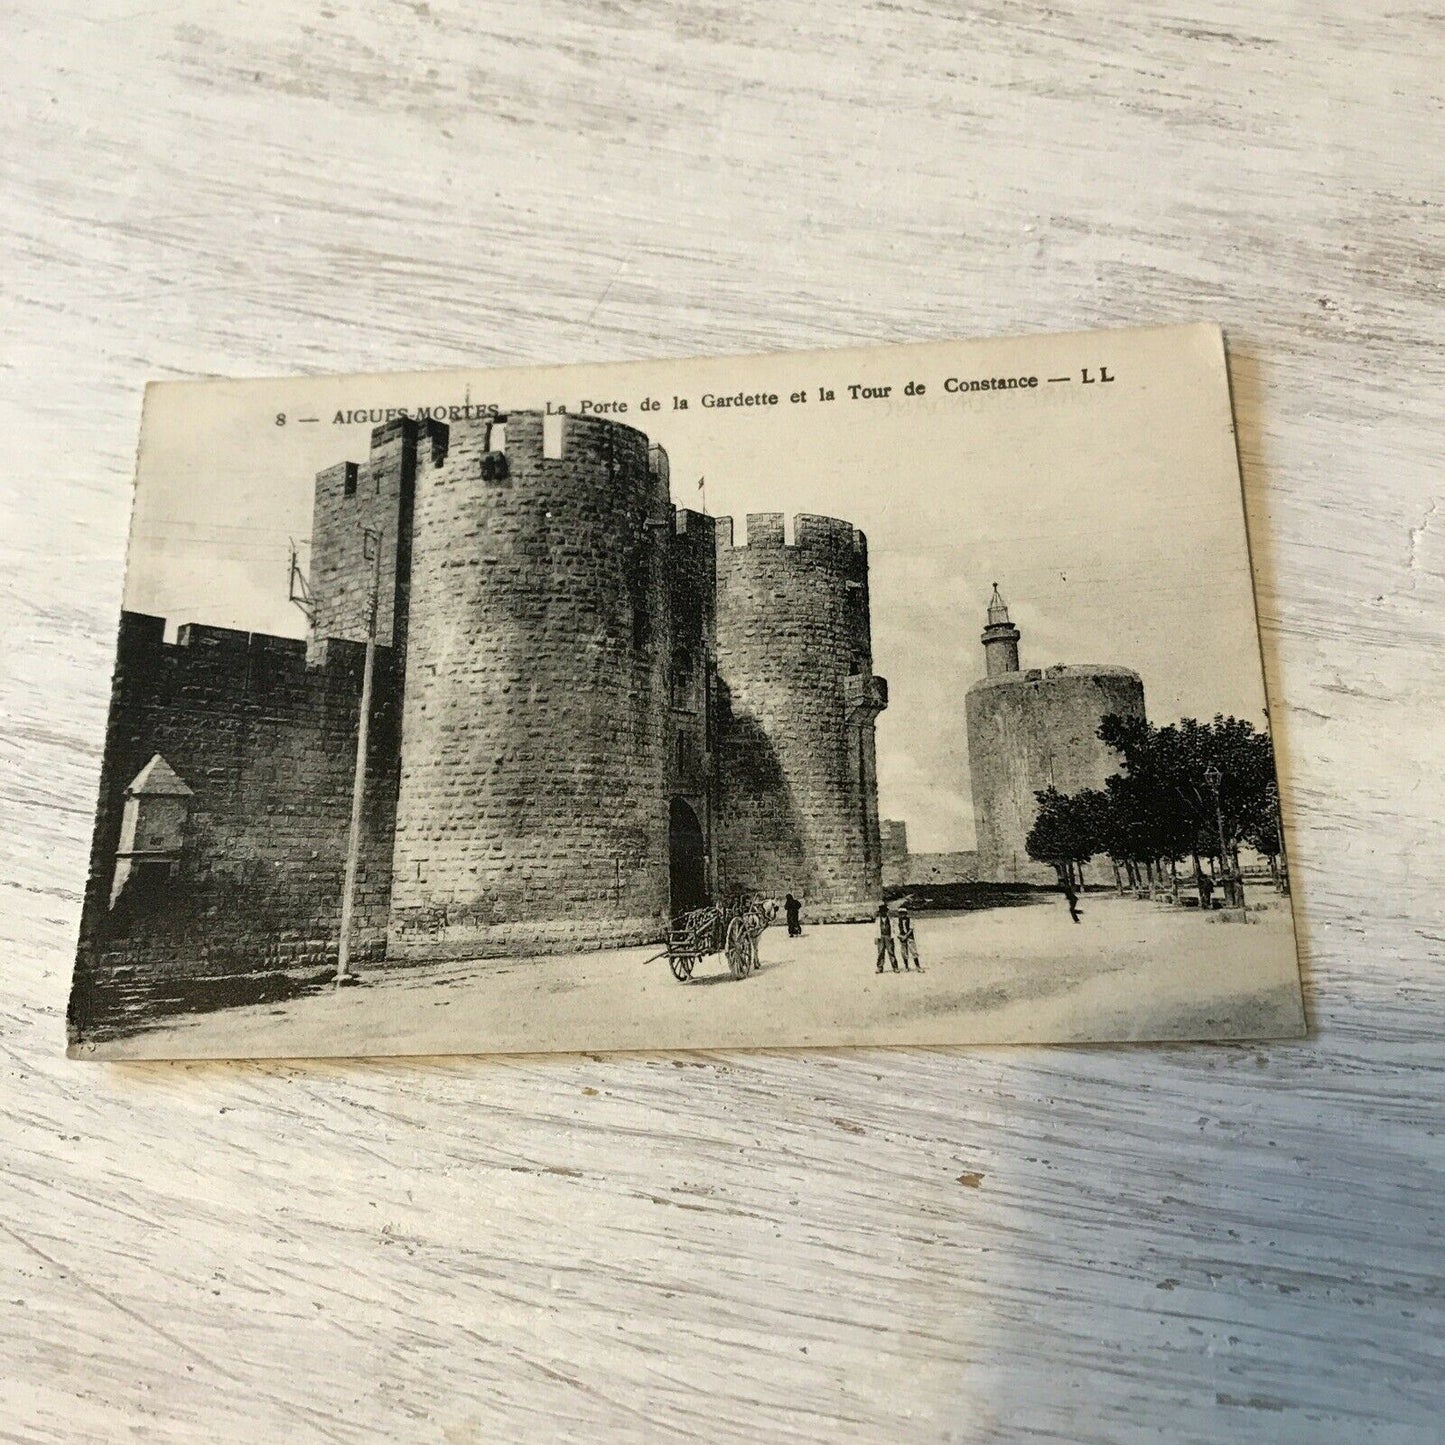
1190,791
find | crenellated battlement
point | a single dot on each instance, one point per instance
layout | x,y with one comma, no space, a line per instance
695,527
231,656
552,437
591,708
405,429
197,635
430,436
554,456
814,537
263,741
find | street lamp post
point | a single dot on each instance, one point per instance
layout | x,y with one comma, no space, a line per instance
1279,829
1214,778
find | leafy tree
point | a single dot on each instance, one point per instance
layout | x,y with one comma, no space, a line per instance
1160,808
1062,833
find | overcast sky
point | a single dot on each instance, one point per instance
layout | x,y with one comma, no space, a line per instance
1109,514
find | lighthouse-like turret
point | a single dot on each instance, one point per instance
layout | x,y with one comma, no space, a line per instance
1000,638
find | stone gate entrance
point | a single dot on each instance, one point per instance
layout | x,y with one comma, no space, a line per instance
687,855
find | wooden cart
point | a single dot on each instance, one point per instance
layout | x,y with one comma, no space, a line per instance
733,931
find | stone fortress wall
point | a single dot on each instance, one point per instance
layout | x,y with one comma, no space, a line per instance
590,708
1032,730
903,868
264,742
693,699
535,755
798,771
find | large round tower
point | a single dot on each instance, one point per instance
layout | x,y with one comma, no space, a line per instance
1029,731
532,810
797,774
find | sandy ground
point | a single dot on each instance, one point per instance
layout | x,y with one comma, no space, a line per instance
1129,970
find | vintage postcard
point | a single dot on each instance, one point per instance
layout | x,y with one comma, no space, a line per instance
900,695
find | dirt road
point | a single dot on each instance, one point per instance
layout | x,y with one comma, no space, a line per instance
1129,970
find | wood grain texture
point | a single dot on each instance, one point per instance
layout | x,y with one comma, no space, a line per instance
1198,1243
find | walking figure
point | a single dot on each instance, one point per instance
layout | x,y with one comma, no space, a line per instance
1071,893
907,943
794,910
1206,890
885,938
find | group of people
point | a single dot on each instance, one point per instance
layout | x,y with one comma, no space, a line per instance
901,925
1230,882
895,934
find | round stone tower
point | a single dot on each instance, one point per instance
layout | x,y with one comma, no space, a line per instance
1028,731
532,810
797,774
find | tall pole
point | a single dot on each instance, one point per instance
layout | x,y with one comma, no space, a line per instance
1219,820
1214,778
1236,882
1279,828
358,779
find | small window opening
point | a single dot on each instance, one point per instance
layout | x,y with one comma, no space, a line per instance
682,679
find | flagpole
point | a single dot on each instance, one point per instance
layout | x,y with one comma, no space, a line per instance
702,487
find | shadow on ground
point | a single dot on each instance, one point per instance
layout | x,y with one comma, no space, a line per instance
125,1006
968,897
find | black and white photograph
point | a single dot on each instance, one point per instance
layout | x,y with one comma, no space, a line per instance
722,723
901,695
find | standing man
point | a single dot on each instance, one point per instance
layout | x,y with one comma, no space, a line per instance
907,944
1206,890
885,938
794,910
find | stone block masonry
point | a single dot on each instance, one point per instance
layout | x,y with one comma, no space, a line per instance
1029,731
692,694
592,712
532,811
265,741
797,766
356,498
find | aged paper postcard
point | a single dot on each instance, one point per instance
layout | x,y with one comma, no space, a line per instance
901,695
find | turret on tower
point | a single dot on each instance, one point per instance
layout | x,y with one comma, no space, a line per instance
1028,731
1000,638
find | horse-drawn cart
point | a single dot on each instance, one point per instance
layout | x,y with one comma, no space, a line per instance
733,931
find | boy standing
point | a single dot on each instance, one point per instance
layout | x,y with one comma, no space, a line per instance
906,941
885,938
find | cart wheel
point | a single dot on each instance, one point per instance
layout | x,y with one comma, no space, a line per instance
681,966
737,949
754,961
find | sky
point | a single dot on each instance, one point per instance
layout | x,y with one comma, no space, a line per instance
1109,512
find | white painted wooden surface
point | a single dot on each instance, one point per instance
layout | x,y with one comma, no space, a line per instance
1193,1243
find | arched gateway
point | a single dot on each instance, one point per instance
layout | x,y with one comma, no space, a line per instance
687,854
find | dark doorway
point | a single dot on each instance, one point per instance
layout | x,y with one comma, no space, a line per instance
687,853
